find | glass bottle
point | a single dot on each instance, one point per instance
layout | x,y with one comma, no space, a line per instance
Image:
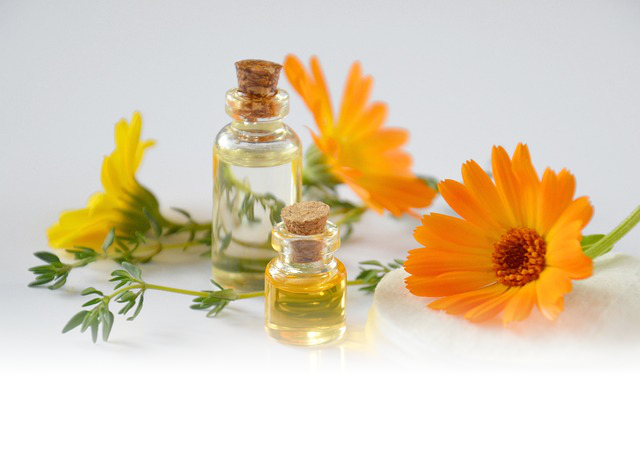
257,169
305,300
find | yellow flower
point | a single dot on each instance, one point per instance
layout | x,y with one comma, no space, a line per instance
123,202
517,244
358,149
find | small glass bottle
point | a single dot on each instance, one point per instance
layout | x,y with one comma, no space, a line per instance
305,286
257,165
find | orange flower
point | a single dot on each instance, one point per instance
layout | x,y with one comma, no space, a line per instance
517,244
358,150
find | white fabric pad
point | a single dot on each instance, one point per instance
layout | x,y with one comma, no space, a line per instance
600,324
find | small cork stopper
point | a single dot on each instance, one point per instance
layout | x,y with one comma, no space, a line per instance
306,219
257,77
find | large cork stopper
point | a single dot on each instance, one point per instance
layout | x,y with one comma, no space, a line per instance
257,77
306,219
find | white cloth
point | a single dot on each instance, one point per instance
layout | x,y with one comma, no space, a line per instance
600,324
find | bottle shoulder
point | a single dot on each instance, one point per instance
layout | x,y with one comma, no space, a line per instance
271,148
334,274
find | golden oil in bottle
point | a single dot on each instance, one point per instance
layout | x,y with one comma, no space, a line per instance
305,287
257,165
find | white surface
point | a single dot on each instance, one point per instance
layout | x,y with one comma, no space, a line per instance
599,326
461,76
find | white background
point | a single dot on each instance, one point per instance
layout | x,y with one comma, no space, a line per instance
461,76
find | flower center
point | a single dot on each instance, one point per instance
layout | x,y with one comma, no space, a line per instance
518,257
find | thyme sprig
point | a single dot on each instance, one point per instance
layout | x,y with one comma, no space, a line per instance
241,198
129,291
372,272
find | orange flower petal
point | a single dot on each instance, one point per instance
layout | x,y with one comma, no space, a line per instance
578,210
507,185
395,194
489,308
564,251
550,290
450,283
467,206
453,234
355,95
312,89
519,307
529,183
461,303
430,262
556,193
481,186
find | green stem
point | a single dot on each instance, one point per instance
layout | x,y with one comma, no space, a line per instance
355,282
181,245
251,295
84,262
614,236
197,293
124,289
175,290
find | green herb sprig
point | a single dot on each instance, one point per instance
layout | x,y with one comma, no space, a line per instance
372,272
129,291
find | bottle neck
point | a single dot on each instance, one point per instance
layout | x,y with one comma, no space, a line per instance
326,263
253,111
258,128
306,254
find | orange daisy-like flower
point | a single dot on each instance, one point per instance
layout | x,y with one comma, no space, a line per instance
357,148
517,244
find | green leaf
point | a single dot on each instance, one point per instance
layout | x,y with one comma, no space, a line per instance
42,279
227,294
91,290
127,307
430,181
108,241
48,257
138,308
93,302
591,240
132,269
94,330
182,212
120,274
372,263
75,321
107,324
59,282
226,240
155,226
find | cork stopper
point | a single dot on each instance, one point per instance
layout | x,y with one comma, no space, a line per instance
257,77
306,219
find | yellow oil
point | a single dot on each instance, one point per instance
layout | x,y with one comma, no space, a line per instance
307,308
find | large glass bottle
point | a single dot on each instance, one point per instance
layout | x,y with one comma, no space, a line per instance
257,168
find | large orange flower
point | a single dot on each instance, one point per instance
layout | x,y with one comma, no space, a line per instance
517,244
357,148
